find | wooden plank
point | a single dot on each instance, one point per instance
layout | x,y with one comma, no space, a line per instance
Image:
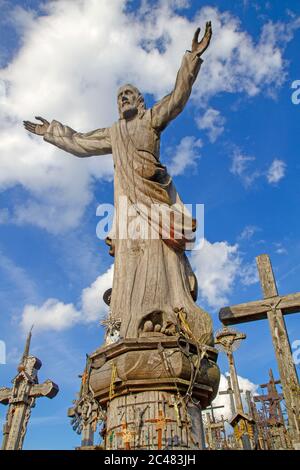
258,310
266,276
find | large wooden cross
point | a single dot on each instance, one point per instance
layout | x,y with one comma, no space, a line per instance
273,307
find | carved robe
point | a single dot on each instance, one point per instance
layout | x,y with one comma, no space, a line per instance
152,277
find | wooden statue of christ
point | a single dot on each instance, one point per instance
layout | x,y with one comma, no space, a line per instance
153,279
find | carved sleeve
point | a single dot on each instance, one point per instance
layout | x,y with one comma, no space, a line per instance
87,144
171,105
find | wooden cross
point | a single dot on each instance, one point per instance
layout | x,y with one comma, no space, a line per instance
214,430
21,398
250,404
230,392
160,422
126,435
273,398
211,408
273,307
228,340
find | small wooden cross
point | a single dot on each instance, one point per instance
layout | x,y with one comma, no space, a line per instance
230,392
160,422
126,435
273,307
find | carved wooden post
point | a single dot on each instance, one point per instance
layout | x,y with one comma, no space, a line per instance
21,398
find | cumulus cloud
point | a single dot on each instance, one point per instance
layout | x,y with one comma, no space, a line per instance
185,155
58,316
276,171
219,266
53,314
213,122
216,266
93,307
72,74
242,165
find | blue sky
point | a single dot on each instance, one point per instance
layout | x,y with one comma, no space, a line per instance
234,148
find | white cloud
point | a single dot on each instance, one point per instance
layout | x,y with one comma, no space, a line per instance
18,277
56,315
240,166
216,266
280,249
276,171
248,232
72,73
53,314
4,216
93,306
219,267
224,400
249,274
186,155
213,122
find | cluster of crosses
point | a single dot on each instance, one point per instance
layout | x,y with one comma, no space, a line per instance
263,429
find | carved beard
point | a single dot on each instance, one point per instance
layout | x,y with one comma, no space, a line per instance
129,113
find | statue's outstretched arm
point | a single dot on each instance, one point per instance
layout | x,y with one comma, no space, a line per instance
80,144
171,105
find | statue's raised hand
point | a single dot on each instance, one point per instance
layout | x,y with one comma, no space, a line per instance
200,47
39,129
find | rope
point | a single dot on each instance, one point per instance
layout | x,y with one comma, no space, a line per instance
112,381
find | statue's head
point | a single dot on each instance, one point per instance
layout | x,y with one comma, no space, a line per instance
130,102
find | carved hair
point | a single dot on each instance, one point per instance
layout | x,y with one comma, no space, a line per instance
141,107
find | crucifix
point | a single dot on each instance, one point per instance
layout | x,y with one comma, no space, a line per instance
230,392
274,307
228,340
86,412
21,399
126,435
273,398
160,422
